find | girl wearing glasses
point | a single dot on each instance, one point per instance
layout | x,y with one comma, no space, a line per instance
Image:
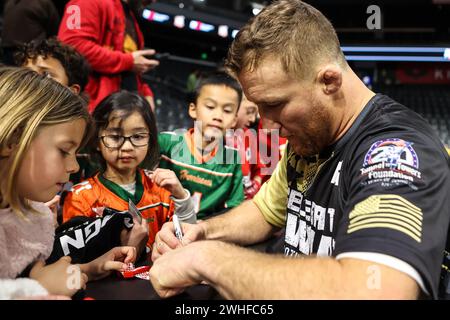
126,144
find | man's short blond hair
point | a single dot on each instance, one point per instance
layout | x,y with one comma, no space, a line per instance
297,33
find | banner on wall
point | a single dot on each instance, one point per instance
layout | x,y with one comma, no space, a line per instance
423,73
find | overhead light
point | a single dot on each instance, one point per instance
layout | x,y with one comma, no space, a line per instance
155,16
447,53
200,26
256,11
179,21
223,31
256,7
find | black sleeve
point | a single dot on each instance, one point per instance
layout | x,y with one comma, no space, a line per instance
85,239
397,199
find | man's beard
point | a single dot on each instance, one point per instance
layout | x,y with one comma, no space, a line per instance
318,135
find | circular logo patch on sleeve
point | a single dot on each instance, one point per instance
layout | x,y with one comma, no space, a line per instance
391,162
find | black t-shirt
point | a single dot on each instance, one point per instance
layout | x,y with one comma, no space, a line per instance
384,187
85,239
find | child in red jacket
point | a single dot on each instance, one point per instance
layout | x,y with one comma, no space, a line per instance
107,34
255,148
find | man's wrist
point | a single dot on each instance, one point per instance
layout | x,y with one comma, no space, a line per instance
203,224
205,261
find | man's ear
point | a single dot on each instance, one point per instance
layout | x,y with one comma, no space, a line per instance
193,111
75,88
330,79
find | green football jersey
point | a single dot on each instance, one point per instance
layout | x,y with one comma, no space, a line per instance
215,181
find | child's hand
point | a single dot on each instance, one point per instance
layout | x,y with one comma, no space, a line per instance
59,278
53,206
251,191
136,237
168,180
115,259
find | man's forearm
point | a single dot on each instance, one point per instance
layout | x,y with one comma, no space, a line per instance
242,225
238,273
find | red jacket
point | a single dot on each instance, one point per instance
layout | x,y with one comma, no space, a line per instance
100,39
265,137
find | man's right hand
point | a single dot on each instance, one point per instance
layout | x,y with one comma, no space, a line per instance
166,240
141,63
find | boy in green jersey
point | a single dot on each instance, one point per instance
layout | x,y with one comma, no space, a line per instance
205,166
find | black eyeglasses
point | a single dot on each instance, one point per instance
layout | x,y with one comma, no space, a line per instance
116,141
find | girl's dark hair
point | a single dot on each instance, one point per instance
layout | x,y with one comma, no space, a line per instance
127,103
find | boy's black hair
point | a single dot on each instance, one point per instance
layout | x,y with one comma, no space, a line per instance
216,78
127,103
75,65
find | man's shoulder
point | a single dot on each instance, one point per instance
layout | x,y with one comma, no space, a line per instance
392,135
387,111
390,119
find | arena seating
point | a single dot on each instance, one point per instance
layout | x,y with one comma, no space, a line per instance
171,104
432,102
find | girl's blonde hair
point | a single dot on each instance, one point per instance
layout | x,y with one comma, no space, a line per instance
29,101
